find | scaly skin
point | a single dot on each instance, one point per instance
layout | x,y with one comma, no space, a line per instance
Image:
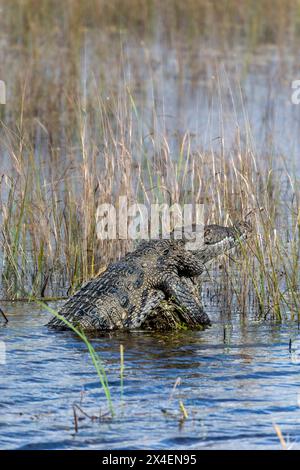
132,288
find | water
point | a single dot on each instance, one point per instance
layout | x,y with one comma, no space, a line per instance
210,94
237,379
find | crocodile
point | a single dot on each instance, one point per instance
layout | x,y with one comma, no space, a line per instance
158,272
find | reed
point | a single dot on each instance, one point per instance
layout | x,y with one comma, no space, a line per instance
78,130
99,367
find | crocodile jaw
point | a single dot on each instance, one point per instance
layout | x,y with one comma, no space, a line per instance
233,237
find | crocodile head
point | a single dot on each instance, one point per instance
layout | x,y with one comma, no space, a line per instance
219,240
214,234
214,240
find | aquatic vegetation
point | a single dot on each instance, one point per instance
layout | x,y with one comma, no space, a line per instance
86,123
99,367
161,102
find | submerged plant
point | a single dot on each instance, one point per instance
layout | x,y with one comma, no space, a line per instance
99,367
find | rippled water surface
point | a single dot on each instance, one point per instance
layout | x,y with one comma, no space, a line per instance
237,379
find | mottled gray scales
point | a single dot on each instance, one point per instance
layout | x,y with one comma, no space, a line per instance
131,290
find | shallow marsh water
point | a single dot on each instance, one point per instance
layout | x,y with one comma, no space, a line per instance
237,379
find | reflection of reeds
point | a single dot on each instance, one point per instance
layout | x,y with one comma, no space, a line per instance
67,146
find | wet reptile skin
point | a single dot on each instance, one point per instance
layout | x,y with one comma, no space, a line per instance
125,294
